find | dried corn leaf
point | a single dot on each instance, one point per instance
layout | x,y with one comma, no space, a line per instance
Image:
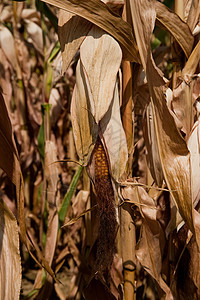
56,106
149,249
184,97
9,162
153,158
5,81
98,13
31,14
173,151
74,220
10,261
147,252
114,137
193,61
183,107
101,57
179,29
84,127
52,177
51,172
194,147
193,16
6,13
72,31
35,34
80,202
8,45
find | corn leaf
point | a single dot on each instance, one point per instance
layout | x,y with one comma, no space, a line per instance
99,14
183,102
179,29
10,164
85,129
9,161
193,61
72,31
149,249
8,45
194,147
193,16
113,135
173,151
51,170
101,57
74,220
153,158
10,261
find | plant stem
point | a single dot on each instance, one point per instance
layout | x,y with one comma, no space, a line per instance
127,228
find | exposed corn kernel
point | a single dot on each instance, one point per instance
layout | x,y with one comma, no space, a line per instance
101,163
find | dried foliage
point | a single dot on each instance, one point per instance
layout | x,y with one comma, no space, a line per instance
99,149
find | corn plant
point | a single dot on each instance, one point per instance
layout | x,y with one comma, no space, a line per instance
100,131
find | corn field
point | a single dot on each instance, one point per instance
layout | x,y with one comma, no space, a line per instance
100,149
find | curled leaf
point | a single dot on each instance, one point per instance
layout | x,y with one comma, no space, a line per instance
98,13
72,30
173,151
179,29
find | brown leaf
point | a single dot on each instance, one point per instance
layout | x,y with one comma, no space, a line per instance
193,61
179,29
8,45
194,147
56,106
186,277
10,162
35,34
101,57
72,31
173,151
5,80
6,13
52,177
80,202
149,249
84,127
193,16
74,220
113,136
148,253
98,13
31,14
153,158
10,260
184,97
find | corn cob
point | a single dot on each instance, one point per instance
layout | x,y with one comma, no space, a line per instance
106,210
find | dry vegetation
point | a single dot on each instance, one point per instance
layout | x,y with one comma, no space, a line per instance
99,149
